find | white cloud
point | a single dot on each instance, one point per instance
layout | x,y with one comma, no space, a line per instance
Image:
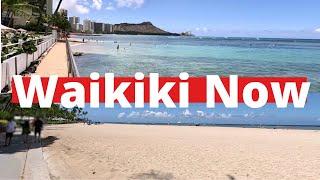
76,6
133,114
317,30
64,4
97,4
81,9
249,115
121,115
225,116
85,2
156,114
186,113
110,7
147,114
129,3
202,29
211,116
201,113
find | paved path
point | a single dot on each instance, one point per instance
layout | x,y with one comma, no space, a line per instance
19,161
55,62
12,158
36,167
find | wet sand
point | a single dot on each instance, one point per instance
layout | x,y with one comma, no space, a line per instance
113,151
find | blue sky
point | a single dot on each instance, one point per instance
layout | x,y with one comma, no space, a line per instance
263,18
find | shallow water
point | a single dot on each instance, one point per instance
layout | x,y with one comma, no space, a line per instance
200,56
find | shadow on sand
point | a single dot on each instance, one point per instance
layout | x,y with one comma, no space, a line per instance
152,174
230,177
17,144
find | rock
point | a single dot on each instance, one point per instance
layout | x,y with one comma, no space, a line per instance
78,53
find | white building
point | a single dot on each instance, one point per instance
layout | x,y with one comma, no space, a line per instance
79,27
107,28
92,26
87,26
74,20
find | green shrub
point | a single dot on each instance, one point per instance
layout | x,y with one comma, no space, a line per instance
34,27
3,123
5,115
29,47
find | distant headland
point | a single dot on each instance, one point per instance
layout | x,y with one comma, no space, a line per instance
145,28
97,28
90,27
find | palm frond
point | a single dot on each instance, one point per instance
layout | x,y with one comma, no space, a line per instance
25,5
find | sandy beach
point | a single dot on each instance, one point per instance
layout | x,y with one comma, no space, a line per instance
113,151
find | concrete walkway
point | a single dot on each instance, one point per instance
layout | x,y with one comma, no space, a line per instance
55,62
12,158
21,161
35,166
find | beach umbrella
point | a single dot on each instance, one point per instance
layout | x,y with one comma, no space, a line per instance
5,28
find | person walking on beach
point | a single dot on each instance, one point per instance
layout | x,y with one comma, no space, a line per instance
25,131
10,129
38,124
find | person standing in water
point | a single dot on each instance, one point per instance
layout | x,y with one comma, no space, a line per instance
38,124
118,47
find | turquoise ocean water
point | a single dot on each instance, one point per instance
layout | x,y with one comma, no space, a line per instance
200,56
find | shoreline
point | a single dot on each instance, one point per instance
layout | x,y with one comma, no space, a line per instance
289,39
249,126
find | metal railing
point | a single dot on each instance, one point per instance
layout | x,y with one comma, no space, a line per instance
72,67
17,64
20,43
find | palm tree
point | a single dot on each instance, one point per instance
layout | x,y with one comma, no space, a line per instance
57,9
40,20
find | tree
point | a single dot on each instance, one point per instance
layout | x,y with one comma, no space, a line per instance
41,19
56,111
60,21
